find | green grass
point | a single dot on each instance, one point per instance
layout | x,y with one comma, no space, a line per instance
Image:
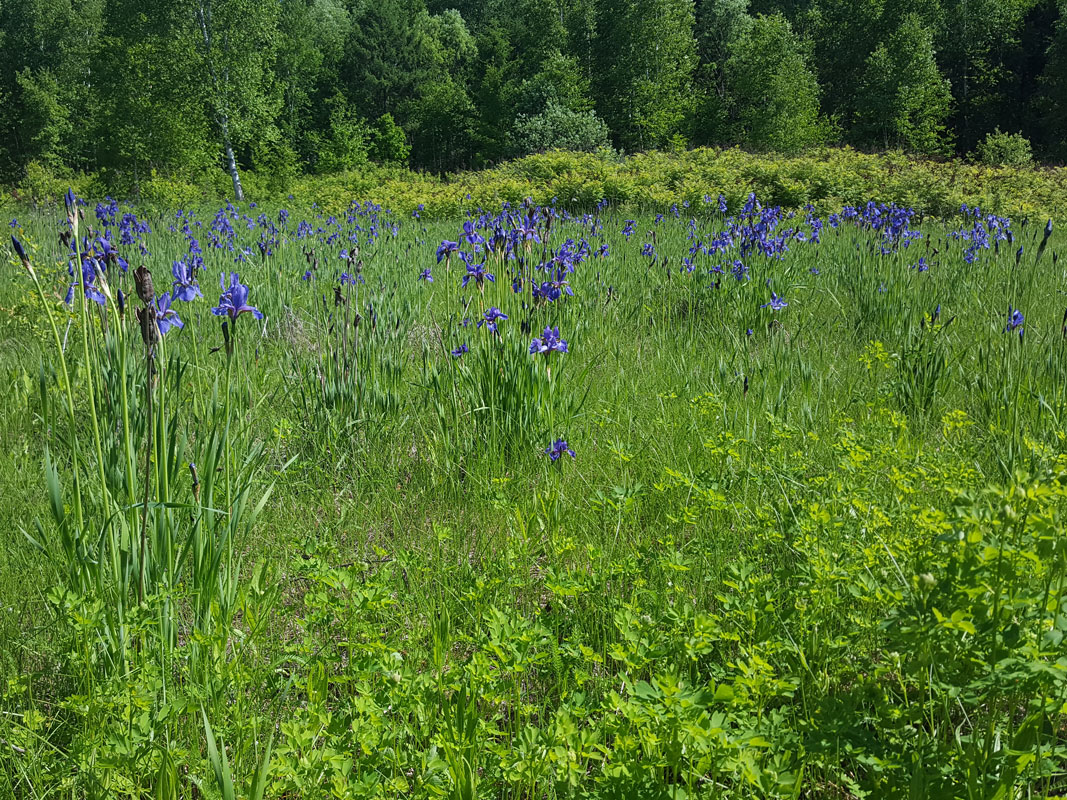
821,559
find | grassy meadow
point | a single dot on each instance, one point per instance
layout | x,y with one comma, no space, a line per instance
722,501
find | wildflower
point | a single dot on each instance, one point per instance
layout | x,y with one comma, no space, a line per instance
108,254
558,449
20,252
234,300
776,303
426,275
490,319
307,275
1015,321
88,282
471,236
459,351
185,286
526,230
476,272
446,250
548,341
166,317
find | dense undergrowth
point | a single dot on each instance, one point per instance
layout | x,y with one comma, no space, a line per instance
828,179
719,501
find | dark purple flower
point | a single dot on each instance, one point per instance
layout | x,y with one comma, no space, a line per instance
776,303
19,251
490,319
558,449
471,236
234,300
185,286
108,254
446,250
88,282
1015,321
426,275
166,317
548,342
476,272
459,351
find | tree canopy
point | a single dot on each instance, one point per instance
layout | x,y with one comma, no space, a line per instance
128,89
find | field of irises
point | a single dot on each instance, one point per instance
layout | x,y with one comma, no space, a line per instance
724,502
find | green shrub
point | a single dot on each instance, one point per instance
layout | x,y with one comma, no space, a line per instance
1005,149
559,128
388,143
170,192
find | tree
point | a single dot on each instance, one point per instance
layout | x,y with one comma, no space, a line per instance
148,114
311,46
774,97
903,98
559,128
560,82
47,82
237,59
976,44
719,23
645,54
383,63
442,118
388,143
1052,103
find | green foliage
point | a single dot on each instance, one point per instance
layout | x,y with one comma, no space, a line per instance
47,126
560,82
559,128
388,144
646,55
345,145
128,90
813,552
1005,150
903,100
774,94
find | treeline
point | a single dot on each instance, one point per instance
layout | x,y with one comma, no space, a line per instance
128,88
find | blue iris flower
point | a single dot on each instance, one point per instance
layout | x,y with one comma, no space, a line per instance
1015,321
234,300
476,272
446,249
185,286
548,342
558,449
166,317
776,303
490,319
